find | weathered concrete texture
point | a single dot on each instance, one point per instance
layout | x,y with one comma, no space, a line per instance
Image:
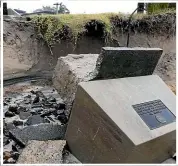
104,127
42,152
35,119
71,70
41,132
119,62
70,159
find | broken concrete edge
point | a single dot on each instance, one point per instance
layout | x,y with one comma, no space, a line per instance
21,143
71,70
41,132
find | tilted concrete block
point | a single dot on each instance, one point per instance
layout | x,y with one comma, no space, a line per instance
127,120
119,62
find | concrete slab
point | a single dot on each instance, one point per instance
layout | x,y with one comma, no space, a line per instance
41,132
105,128
119,62
42,152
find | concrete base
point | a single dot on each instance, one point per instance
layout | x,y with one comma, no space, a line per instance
104,127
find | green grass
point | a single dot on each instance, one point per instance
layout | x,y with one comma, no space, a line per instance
163,11
154,8
49,25
76,23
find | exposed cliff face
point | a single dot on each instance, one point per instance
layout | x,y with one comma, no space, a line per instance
26,51
22,49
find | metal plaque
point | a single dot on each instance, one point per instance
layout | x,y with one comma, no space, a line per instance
154,113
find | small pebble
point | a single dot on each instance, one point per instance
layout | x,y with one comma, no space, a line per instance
17,122
15,155
11,161
9,114
61,106
5,140
32,91
62,118
24,115
36,99
14,148
21,108
51,99
48,112
5,103
13,108
36,106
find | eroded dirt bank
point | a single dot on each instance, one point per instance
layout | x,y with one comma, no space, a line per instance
25,51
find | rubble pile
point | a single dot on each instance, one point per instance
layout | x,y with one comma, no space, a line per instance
38,114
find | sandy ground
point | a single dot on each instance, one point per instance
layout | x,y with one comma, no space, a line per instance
14,66
14,60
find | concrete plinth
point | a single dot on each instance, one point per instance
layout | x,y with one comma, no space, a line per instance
106,127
